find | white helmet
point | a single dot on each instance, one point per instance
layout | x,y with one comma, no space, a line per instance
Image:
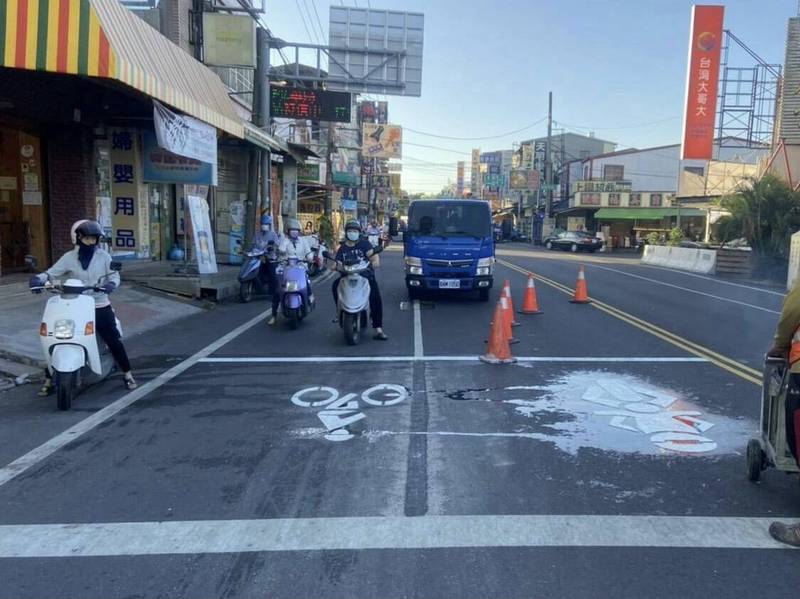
73,232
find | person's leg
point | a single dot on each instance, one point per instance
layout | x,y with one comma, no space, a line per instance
335,292
106,326
376,309
47,387
790,533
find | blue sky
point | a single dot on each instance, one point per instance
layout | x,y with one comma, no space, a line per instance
616,67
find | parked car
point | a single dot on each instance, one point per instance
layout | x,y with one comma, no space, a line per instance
573,241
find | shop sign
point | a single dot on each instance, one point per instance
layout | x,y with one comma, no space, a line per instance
125,205
382,141
600,186
184,135
162,166
201,229
308,172
705,45
229,40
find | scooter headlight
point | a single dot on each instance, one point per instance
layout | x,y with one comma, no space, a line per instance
64,329
291,286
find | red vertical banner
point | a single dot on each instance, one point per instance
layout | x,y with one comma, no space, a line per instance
702,79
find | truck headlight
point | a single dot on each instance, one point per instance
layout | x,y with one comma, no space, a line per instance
414,265
64,329
485,266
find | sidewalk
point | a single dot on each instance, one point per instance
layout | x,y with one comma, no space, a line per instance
138,308
168,276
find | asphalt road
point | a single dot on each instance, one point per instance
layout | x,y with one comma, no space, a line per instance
263,462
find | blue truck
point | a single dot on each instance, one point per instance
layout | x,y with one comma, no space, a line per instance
448,246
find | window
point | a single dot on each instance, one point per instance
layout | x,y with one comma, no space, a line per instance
613,172
635,199
613,199
694,170
655,200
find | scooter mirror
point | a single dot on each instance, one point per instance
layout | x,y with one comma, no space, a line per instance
116,266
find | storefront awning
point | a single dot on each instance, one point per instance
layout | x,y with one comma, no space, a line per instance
102,38
264,140
644,213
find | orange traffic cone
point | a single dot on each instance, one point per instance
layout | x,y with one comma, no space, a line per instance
581,292
498,350
530,305
507,294
506,320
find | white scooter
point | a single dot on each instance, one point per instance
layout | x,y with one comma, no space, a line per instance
69,338
353,296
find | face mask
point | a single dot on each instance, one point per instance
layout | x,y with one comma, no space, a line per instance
352,235
294,233
265,228
85,253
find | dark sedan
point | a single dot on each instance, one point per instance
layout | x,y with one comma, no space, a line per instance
573,241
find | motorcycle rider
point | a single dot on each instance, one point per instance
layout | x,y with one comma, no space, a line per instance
293,245
355,246
265,238
89,263
786,345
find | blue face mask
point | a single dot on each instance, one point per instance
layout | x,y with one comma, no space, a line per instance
294,233
352,235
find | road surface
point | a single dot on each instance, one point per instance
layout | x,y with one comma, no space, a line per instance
262,462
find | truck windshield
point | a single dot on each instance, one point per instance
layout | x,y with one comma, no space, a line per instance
450,220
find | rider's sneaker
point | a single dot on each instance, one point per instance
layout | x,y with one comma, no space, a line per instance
271,320
785,533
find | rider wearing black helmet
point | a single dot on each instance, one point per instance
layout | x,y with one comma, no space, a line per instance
355,246
90,263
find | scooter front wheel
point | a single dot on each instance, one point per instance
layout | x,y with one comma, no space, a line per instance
294,318
246,291
352,328
66,384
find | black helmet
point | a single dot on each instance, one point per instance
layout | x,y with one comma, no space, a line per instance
352,224
89,228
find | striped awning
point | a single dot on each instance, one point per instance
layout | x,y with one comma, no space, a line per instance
102,38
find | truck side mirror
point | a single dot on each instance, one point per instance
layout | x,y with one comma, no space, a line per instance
393,226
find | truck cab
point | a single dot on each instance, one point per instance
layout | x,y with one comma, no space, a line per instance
449,247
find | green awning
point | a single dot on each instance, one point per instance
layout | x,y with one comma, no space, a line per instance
644,213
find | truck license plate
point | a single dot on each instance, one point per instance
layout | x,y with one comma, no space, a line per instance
449,283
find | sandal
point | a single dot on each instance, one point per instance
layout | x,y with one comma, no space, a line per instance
130,383
46,389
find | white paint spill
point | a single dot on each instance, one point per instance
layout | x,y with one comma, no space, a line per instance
624,413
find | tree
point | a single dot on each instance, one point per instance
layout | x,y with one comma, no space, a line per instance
766,212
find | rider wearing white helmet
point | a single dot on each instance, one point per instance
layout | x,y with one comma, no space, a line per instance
292,245
89,263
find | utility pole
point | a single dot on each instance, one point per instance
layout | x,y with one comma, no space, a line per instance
329,174
262,113
548,159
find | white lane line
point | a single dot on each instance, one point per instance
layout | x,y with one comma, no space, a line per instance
418,349
703,293
711,279
424,532
334,359
38,454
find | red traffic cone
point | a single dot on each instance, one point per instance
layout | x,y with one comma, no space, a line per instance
498,350
530,305
507,294
506,320
581,292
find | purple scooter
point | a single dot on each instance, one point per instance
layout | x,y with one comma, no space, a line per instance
295,300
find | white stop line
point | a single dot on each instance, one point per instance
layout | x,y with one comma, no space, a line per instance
341,411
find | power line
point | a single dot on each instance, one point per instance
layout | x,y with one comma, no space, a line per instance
477,138
303,18
314,25
636,126
408,143
319,21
